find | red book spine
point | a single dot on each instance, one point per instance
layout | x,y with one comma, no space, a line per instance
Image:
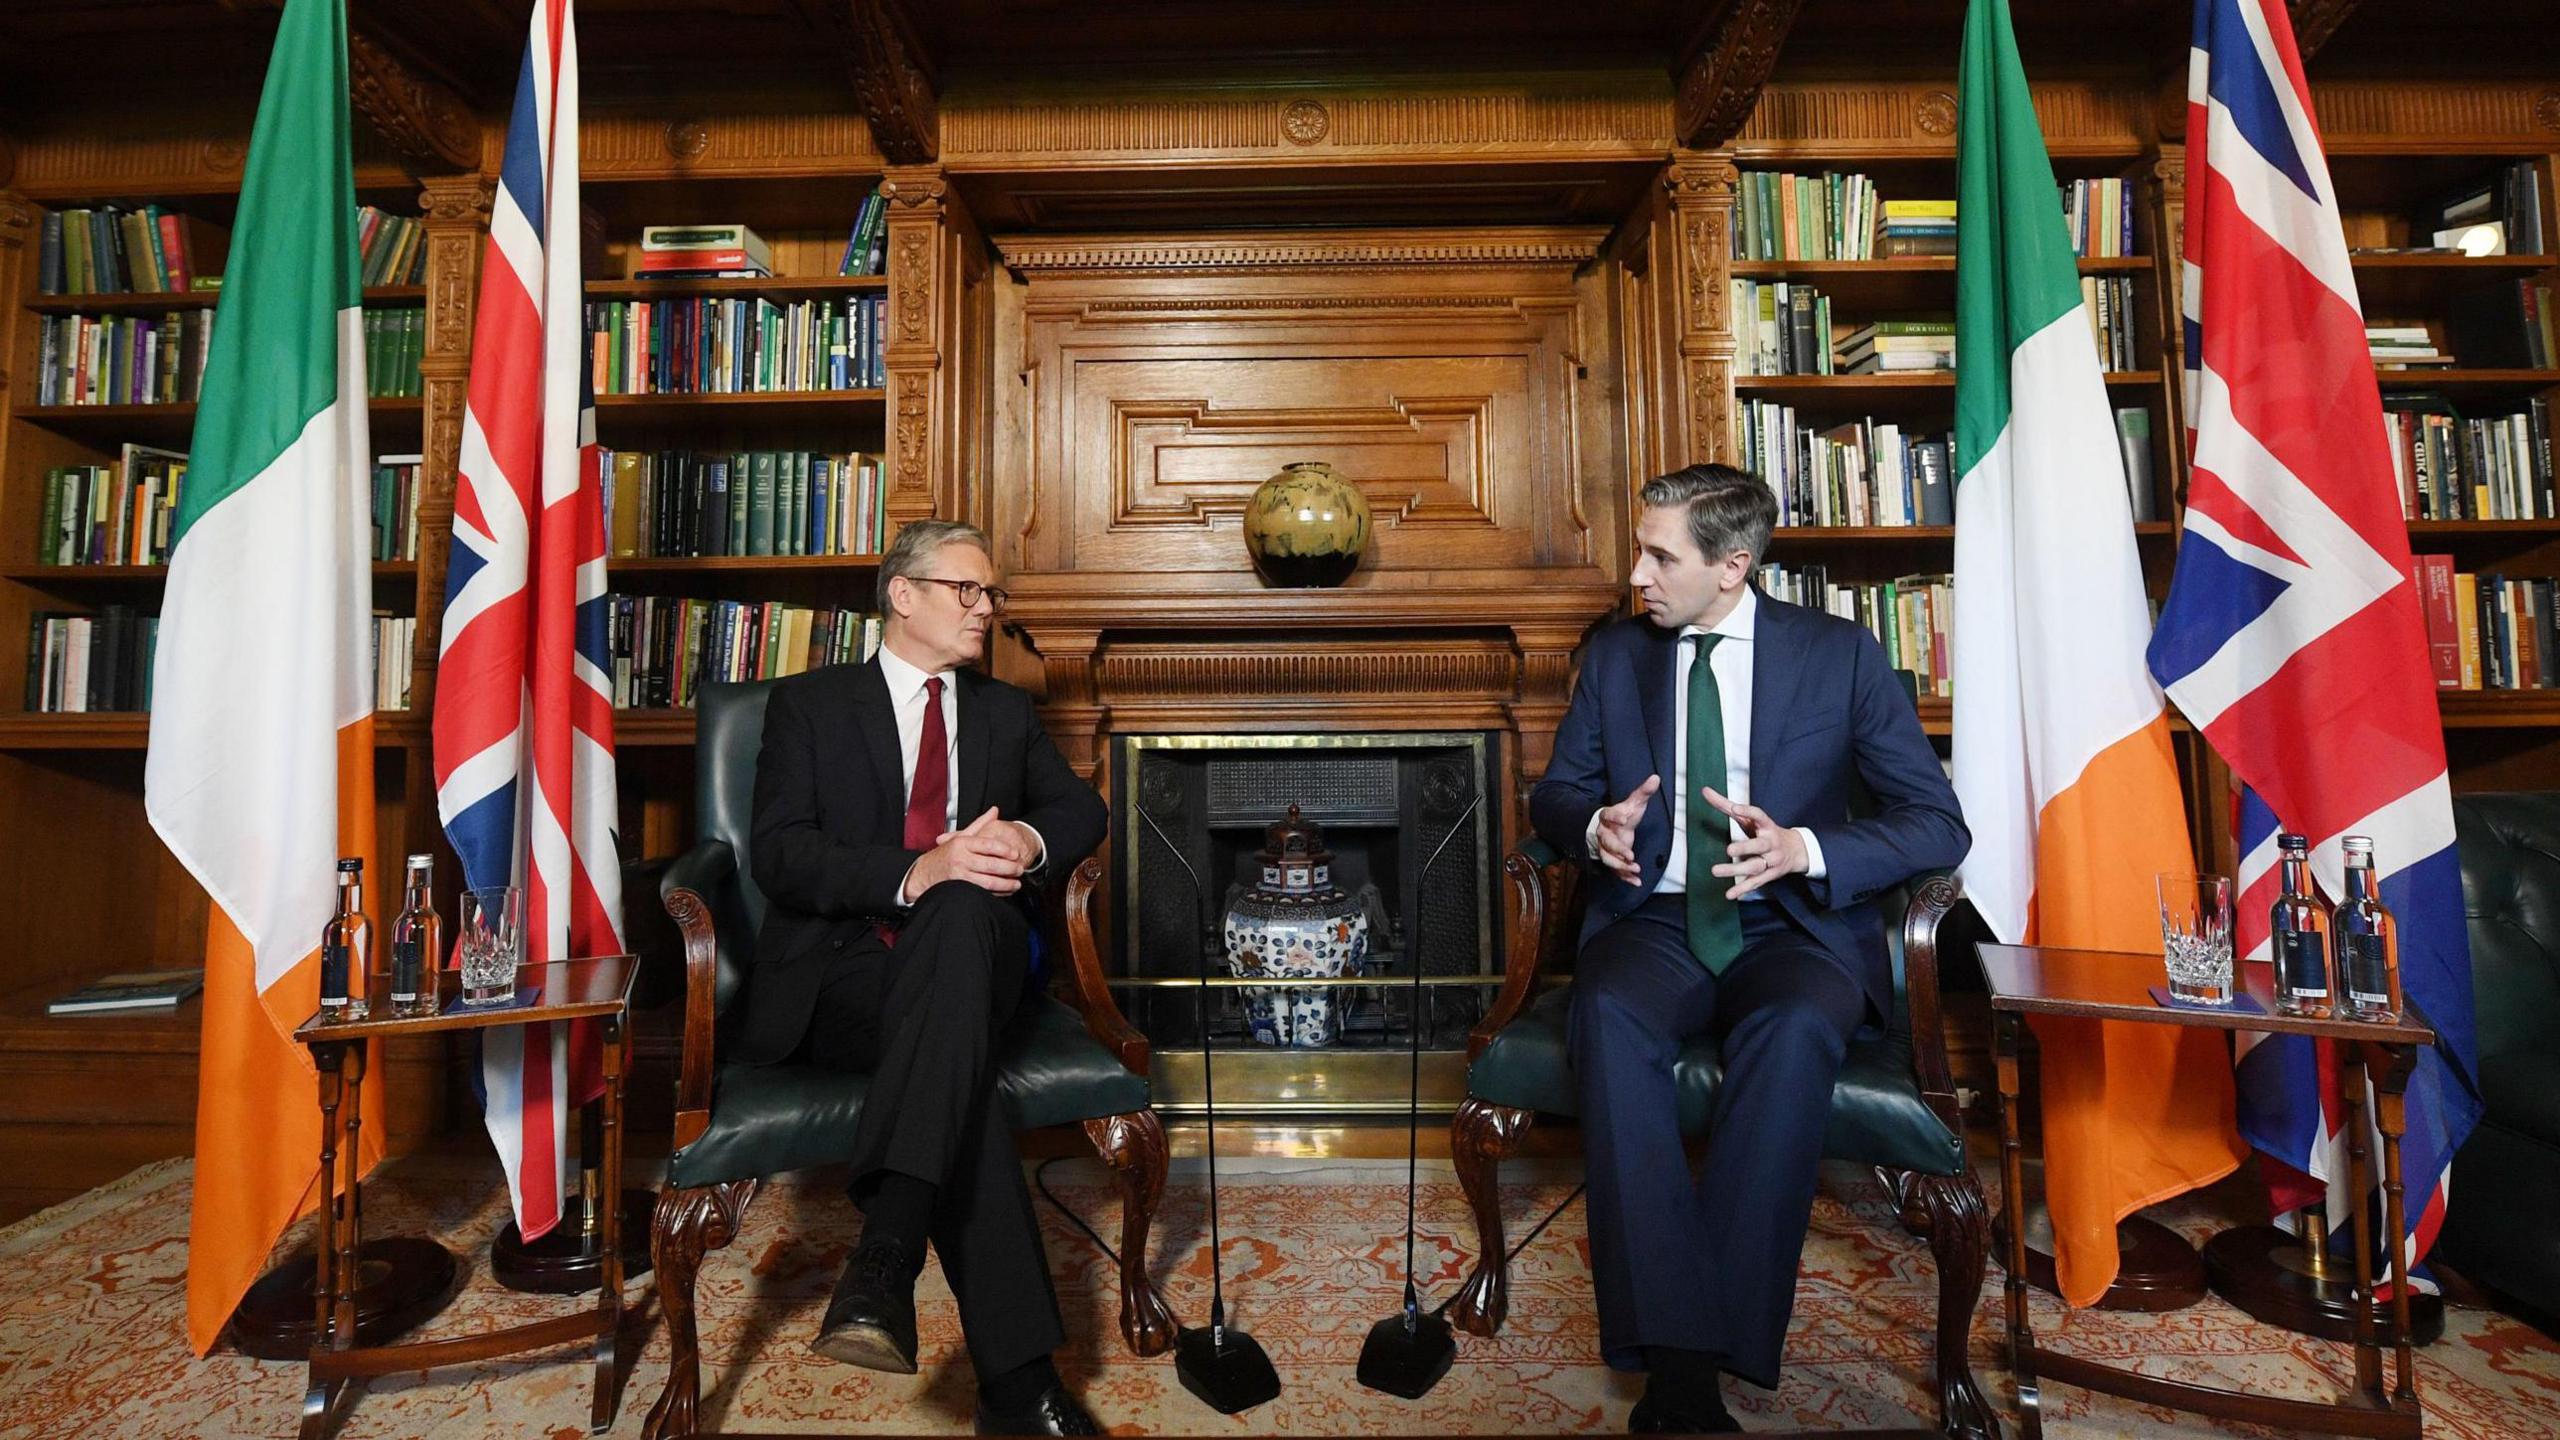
2435,601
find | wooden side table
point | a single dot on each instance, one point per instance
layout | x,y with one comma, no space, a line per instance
597,989
2111,985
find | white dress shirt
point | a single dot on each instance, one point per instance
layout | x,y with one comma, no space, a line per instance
1731,661
906,701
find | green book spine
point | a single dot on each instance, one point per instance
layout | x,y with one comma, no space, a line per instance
760,505
47,534
741,484
799,501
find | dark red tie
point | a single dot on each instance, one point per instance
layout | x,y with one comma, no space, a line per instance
929,794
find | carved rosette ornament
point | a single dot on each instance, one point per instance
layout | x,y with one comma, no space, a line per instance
426,125
2546,110
687,139
1305,122
1934,114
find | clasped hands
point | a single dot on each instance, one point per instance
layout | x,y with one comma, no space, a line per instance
990,853
1766,851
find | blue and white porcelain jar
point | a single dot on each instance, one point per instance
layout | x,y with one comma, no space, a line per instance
1295,922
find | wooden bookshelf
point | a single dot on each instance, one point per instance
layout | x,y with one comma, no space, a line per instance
152,302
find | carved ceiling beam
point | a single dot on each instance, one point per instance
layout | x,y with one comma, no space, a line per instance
893,79
2314,21
427,125
1720,81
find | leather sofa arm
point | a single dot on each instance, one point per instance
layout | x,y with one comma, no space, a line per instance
1102,1017
686,890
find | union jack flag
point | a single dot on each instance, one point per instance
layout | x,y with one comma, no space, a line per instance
524,708
2291,634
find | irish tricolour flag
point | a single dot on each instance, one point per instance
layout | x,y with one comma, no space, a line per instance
2062,752
260,774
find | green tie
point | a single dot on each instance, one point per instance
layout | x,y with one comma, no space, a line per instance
1715,924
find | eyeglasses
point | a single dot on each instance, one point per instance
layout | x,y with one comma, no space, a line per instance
969,590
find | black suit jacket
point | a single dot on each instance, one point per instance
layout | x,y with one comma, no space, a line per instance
830,821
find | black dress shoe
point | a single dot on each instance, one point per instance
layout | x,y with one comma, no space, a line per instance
1056,1412
1657,1417
871,1322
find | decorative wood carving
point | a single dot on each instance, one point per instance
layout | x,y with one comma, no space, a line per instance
921,289
135,157
688,1223
2377,111
1441,669
1479,1137
618,145
1616,116
1809,119
1959,1231
2314,21
1719,85
427,126
1701,190
456,218
1133,1145
893,82
1284,251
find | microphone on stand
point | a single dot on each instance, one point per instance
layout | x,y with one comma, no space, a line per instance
1222,1365
1408,1352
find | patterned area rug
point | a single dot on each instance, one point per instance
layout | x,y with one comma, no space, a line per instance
91,1295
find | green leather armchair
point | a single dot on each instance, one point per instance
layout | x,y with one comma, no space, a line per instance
1894,1108
735,1124
2498,1229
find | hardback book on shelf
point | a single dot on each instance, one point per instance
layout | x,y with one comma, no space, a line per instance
2399,347
2101,222
111,249
122,359
2487,631
664,647
395,639
687,503
395,506
866,250
395,342
749,246
1864,472
118,514
1782,328
2455,467
2108,302
2508,325
722,345
1831,216
391,249
137,990
1908,343
1909,616
81,664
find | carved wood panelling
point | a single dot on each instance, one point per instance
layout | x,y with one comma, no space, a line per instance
1136,672
1720,85
891,78
641,147
427,125
118,159
1625,115
1273,251
1419,460
2380,113
1813,118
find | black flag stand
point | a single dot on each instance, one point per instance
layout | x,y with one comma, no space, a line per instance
1408,1352
1223,1366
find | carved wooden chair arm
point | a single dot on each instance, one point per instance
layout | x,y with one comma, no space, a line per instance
1525,946
1102,1017
686,890
1933,898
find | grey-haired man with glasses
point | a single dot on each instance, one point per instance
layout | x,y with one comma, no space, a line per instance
906,808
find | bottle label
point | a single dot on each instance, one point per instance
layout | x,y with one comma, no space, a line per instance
2364,978
2300,966
406,970
333,976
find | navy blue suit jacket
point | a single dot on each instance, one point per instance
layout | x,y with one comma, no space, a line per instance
1830,726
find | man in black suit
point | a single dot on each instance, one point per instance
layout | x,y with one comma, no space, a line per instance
905,809
1707,768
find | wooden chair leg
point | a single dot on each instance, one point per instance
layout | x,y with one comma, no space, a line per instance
688,1223
1479,1137
1133,1145
1958,1226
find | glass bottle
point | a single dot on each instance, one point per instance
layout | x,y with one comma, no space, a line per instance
2299,926
416,943
346,951
2366,940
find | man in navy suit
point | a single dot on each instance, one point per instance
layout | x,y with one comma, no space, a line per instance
1736,903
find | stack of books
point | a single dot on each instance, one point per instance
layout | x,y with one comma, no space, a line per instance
395,507
1918,227
1866,472
2403,347
731,345
2108,301
395,341
701,252
1897,346
684,503
2485,467
394,640
2487,631
142,990
122,359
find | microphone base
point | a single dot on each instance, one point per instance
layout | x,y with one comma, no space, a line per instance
1407,1362
1228,1379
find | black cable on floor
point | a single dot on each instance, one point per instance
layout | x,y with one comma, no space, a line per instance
1040,1178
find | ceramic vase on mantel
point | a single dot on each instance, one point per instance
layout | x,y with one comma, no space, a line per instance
1306,526
1296,923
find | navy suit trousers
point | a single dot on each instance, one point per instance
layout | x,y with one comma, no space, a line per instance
1707,1264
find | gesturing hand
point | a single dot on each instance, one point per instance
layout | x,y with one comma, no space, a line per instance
989,853
1766,850
1616,839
